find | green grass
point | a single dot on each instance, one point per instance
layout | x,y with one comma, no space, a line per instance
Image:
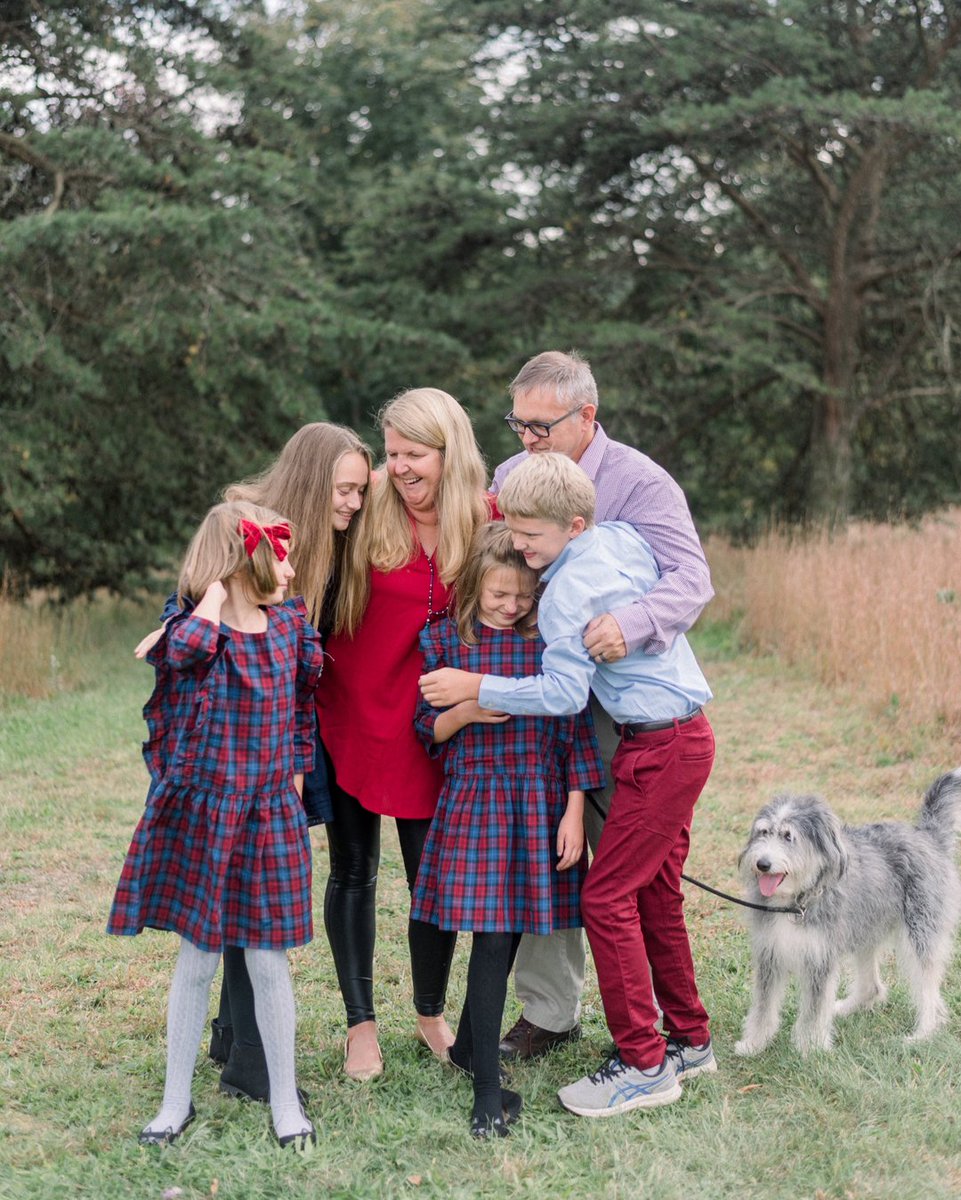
82,1014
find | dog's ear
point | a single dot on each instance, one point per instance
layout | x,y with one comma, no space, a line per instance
833,842
764,812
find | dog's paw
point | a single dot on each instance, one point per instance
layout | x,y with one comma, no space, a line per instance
747,1049
811,1043
934,1016
918,1036
928,1028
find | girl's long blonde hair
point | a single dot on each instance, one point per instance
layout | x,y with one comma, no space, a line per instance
301,482
217,551
491,547
435,419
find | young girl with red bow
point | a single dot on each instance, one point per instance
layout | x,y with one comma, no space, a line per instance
221,855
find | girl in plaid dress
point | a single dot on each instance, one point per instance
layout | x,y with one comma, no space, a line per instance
320,480
505,854
221,855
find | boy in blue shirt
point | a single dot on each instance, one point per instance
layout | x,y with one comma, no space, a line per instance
632,902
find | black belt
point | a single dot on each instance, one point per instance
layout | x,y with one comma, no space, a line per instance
631,728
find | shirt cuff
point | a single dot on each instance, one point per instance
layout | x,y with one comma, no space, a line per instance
637,629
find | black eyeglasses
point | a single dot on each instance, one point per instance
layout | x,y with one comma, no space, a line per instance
540,429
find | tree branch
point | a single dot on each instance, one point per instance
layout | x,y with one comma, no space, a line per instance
17,148
935,57
803,157
893,271
759,221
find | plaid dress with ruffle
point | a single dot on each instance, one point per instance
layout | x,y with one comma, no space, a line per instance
221,854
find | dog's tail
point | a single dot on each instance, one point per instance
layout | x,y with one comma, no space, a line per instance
941,809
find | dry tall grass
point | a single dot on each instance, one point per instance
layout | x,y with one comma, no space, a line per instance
875,607
47,648
38,646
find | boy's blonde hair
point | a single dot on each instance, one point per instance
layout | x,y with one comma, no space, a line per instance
301,482
491,547
435,419
548,487
217,551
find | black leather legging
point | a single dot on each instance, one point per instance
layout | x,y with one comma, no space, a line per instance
350,909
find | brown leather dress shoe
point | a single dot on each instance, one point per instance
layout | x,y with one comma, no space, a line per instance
527,1040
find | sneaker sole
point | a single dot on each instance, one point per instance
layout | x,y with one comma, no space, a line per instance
651,1100
704,1069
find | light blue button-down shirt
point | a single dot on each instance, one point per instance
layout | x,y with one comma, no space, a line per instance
598,570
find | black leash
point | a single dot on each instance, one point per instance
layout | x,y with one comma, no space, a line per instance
796,909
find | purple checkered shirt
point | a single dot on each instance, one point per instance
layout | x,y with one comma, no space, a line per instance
632,487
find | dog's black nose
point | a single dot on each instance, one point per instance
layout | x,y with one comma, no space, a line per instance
763,864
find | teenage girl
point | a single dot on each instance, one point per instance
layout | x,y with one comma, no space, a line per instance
505,854
221,855
320,479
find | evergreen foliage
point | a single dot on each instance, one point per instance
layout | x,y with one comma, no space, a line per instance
760,191
222,218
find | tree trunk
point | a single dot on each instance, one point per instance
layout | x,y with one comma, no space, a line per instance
834,419
830,455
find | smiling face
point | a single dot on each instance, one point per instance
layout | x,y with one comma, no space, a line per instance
505,598
415,470
541,542
351,479
572,433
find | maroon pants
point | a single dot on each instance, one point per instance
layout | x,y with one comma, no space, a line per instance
632,902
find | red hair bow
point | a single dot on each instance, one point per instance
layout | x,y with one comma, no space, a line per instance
275,534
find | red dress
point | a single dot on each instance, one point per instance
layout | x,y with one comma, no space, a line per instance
369,695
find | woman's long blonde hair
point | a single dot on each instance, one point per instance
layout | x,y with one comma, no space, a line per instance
491,547
435,419
301,482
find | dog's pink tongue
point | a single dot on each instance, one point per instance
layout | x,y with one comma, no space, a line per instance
769,884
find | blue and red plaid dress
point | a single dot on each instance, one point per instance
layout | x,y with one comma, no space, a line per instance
489,859
221,854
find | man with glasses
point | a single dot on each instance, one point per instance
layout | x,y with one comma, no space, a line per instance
554,409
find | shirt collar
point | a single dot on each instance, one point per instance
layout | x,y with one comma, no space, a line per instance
590,460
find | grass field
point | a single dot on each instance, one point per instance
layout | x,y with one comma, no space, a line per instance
82,1014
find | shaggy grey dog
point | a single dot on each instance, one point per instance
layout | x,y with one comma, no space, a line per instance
861,889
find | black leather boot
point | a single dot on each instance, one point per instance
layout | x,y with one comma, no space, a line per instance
245,1073
221,1040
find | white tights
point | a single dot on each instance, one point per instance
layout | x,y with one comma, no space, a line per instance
187,1014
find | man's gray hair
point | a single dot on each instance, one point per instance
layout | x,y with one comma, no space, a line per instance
567,375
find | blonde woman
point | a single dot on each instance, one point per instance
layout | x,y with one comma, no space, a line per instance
422,517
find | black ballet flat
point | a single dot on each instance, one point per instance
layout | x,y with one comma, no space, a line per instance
484,1130
163,1137
300,1141
511,1105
